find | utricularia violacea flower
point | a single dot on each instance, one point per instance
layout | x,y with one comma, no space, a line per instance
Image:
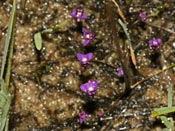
143,16
88,36
83,116
90,88
154,43
120,72
78,13
84,58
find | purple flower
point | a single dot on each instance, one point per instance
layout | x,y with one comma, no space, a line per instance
120,72
79,14
83,115
84,58
90,88
143,16
88,36
154,43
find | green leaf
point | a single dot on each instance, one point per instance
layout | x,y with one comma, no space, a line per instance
162,111
165,129
61,26
174,69
47,31
38,40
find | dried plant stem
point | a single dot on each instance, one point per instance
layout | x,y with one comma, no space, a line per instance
119,11
152,75
165,29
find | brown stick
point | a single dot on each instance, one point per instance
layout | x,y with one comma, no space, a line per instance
165,29
152,75
119,11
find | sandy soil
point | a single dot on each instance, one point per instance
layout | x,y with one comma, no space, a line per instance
46,84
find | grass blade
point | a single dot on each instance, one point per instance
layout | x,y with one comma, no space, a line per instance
167,122
5,101
162,111
5,97
125,29
165,129
170,96
8,37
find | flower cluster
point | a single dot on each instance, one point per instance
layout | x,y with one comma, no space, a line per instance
90,88
79,14
154,42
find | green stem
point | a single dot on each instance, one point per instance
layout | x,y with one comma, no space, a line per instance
9,63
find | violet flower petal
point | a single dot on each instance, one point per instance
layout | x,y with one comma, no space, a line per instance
158,40
84,88
150,42
81,120
86,42
89,56
80,56
95,83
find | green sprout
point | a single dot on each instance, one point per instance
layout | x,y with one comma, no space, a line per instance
164,111
38,35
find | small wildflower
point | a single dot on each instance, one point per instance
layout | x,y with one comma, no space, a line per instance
143,16
120,72
90,88
83,116
84,58
100,113
79,14
88,36
154,43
